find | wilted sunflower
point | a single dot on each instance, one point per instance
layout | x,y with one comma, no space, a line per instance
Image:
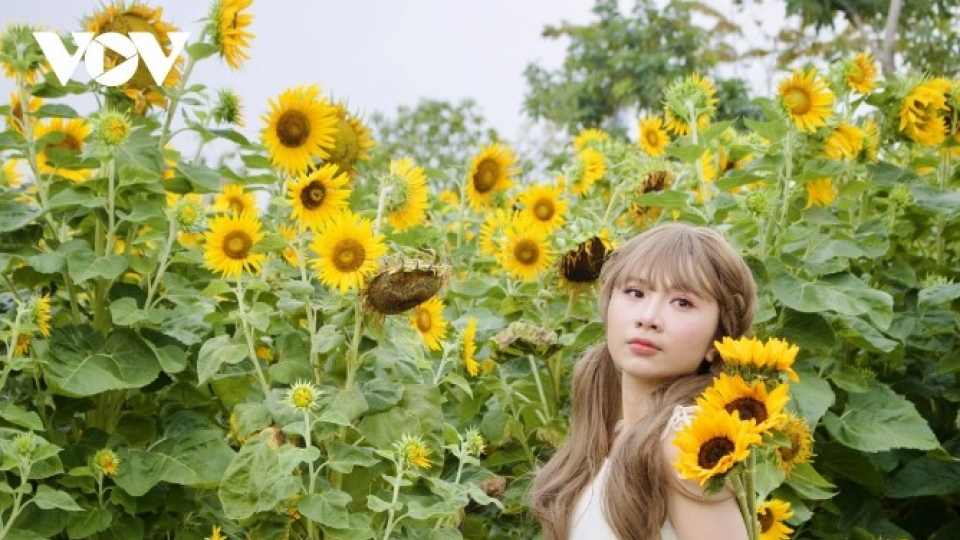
407,200
712,444
694,92
227,26
470,347
235,199
137,17
20,53
526,252
861,73
16,117
492,170
922,113
656,180
404,286
347,249
40,311
429,322
774,354
300,125
845,142
543,209
70,135
800,449
772,516
820,193
752,401
582,264
588,167
229,244
588,138
653,139
807,99
350,142
319,196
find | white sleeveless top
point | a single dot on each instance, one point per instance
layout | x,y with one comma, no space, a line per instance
588,521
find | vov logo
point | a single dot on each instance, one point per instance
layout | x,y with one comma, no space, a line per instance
132,47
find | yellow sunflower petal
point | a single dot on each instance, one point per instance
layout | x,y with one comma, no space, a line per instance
348,251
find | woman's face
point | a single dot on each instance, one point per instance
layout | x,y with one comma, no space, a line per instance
658,334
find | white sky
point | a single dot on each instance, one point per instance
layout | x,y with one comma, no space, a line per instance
378,54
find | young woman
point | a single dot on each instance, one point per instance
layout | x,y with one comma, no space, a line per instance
666,296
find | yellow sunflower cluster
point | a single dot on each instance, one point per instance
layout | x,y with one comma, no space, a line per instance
923,112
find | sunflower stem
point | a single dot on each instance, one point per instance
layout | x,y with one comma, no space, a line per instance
943,174
248,335
767,234
391,523
543,396
739,489
463,211
751,492
175,98
161,264
311,486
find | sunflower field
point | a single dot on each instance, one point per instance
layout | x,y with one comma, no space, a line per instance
312,342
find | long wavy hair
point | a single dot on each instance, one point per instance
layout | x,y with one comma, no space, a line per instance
677,256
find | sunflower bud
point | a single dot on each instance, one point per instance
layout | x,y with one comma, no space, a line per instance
474,441
228,109
189,213
20,53
303,396
901,196
24,444
112,128
525,338
760,202
106,462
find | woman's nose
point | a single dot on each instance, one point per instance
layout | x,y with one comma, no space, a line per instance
648,316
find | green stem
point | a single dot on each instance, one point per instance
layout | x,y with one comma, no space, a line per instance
739,488
753,525
162,263
463,211
784,183
311,486
543,397
175,98
248,334
943,174
352,357
385,188
396,495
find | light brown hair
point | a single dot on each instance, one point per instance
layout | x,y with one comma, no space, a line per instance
674,255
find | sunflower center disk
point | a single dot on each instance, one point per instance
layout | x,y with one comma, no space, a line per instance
236,204
69,142
237,245
302,397
486,176
349,255
527,252
766,520
798,101
713,451
293,129
544,210
424,320
749,408
312,196
653,139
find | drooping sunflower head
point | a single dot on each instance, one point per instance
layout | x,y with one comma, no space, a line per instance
653,138
807,99
235,199
228,109
493,230
820,192
686,99
772,516
871,140
407,196
581,265
800,449
414,451
526,252
589,138
846,141
59,135
656,177
299,126
351,142
17,117
588,166
470,347
20,53
543,208
922,114
427,319
229,244
348,251
40,314
712,444
751,401
319,196
404,286
290,253
861,73
227,25
491,171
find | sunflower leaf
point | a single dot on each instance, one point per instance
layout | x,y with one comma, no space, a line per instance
880,420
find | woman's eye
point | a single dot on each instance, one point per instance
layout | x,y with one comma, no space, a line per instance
683,302
636,293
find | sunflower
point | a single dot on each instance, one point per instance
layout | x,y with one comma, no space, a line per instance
229,244
228,109
709,166
861,73
589,137
582,264
654,181
22,346
526,252
492,231
800,449
470,347
407,202
414,450
543,209
16,118
300,125
21,55
350,143
234,199
693,91
228,28
189,240
450,198
751,401
588,167
922,113
871,140
303,396
712,444
319,196
41,315
70,135
106,462
653,139
807,99
347,249
491,170
820,193
141,88
428,320
772,514
290,253
775,354
9,175
216,534
845,142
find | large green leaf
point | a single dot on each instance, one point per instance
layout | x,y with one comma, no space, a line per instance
927,475
843,294
47,498
256,481
15,214
218,351
936,295
879,420
88,522
328,508
81,363
343,408
83,264
812,396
